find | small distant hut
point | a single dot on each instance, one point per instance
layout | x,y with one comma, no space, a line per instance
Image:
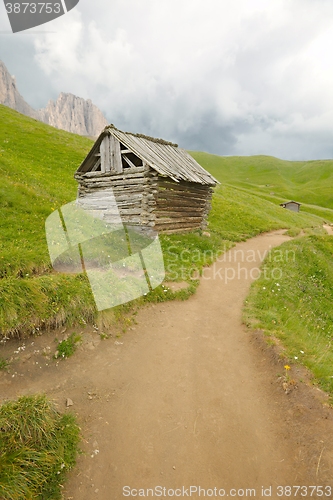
294,206
155,183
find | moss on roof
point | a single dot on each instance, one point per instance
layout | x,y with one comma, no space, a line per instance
142,136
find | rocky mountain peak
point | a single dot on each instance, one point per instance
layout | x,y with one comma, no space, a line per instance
74,114
10,96
68,112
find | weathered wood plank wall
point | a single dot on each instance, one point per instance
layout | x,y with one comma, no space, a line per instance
181,206
133,189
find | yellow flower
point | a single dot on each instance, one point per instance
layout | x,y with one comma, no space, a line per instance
287,367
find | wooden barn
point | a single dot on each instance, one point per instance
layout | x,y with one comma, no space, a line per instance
155,184
294,206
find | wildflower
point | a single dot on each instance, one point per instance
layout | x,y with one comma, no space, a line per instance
287,367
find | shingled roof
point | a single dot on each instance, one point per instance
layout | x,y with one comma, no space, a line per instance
164,157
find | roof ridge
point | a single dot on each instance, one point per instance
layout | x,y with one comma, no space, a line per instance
142,136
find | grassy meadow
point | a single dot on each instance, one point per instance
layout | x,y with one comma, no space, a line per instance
308,182
37,164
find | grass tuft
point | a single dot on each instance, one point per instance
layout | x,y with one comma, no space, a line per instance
67,347
3,363
37,448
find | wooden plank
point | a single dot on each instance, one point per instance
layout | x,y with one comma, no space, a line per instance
181,210
113,202
114,178
125,211
125,204
167,193
178,215
181,190
181,220
183,186
128,161
179,202
90,175
105,154
129,182
97,164
126,191
133,219
115,155
164,184
121,196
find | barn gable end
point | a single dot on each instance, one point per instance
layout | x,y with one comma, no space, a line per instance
154,183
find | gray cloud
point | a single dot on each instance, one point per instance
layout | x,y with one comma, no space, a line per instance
231,78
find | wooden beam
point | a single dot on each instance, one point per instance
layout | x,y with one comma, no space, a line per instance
129,162
115,155
182,185
181,220
105,154
97,164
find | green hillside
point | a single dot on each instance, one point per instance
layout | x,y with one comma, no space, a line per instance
308,182
37,164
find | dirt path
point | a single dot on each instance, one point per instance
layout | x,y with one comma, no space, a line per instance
186,398
328,229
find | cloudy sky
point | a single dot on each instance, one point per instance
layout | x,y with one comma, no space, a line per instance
237,77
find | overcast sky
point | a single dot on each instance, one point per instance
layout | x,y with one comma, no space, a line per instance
231,77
